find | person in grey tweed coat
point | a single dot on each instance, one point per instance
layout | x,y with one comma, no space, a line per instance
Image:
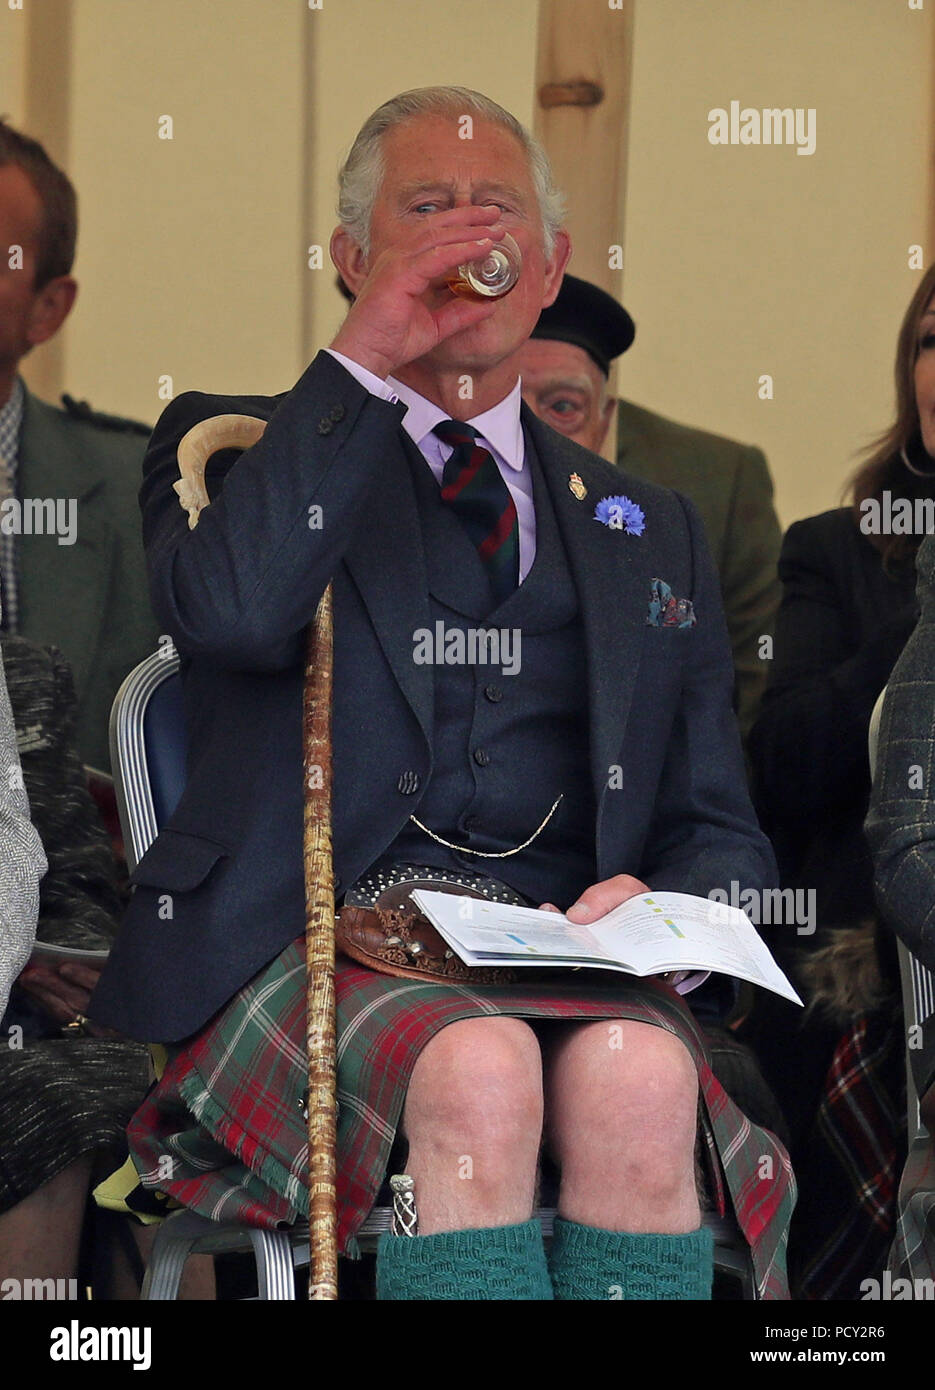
901,825
66,1093
901,833
22,861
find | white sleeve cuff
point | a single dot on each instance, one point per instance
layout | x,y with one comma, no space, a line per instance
368,380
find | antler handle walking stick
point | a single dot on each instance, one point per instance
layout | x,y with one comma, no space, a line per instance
204,439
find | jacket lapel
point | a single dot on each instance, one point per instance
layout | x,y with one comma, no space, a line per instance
612,574
387,563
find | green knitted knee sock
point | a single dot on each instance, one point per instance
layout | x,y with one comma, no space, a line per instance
499,1262
587,1263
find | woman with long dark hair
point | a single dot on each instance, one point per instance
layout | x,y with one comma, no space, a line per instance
848,608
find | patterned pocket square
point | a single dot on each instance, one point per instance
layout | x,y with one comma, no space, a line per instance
665,610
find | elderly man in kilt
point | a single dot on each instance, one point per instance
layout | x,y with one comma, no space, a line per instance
402,468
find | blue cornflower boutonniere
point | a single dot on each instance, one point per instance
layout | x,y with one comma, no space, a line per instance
621,515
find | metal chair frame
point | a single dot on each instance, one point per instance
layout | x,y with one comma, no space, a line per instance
918,991
128,756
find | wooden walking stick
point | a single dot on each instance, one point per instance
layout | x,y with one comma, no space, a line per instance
242,431
319,959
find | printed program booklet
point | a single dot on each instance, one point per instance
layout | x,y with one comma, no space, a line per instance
44,953
650,934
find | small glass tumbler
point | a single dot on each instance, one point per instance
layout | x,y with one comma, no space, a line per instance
491,276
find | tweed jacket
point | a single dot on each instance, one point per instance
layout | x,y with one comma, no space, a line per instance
79,903
22,860
89,599
731,486
219,893
900,826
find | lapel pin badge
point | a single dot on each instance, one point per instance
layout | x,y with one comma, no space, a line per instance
621,514
577,487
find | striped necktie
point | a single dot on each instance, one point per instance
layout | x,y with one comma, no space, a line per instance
473,487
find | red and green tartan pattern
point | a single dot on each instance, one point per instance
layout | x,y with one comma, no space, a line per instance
229,1109
847,1215
913,1252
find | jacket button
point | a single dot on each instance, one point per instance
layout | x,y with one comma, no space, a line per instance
481,757
493,693
408,782
325,426
336,413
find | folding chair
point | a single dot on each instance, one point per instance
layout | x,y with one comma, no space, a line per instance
147,751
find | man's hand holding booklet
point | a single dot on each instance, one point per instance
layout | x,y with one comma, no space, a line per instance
649,934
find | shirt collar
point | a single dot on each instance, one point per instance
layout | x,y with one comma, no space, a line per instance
11,419
501,425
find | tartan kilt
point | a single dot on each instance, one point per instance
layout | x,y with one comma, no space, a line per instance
224,1130
847,1216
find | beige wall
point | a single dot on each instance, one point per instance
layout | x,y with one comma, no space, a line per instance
190,250
192,256
738,260
368,50
12,64
742,260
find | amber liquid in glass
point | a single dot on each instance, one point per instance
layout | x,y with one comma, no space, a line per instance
491,276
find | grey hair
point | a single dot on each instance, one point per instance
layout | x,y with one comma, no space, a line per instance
362,171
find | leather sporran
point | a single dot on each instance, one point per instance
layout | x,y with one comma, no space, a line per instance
381,927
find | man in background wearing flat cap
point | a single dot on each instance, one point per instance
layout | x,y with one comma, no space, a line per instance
565,366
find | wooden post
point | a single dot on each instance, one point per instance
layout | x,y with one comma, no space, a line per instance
930,171
583,98
47,118
583,66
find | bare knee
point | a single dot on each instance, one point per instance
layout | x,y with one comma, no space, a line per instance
478,1079
623,1101
658,1072
627,1082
